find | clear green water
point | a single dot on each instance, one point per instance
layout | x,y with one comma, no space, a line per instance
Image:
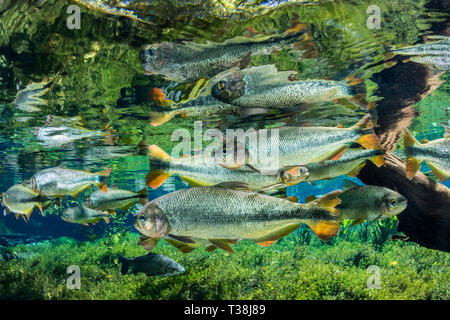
99,81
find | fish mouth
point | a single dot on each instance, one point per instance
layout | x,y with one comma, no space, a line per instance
230,87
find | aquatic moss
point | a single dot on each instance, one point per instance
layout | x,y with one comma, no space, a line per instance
337,271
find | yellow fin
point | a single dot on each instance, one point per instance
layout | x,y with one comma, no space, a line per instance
356,222
409,140
148,243
356,170
158,118
338,154
412,166
158,153
222,244
107,220
273,236
325,230
442,176
266,243
155,178
329,201
183,247
378,160
368,141
40,208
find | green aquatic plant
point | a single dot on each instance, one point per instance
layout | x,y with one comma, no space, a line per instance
286,270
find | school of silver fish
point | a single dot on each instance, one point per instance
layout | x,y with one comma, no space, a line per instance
229,202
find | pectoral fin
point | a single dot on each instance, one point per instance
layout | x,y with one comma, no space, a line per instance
148,243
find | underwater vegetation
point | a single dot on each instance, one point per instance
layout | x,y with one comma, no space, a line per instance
349,204
287,270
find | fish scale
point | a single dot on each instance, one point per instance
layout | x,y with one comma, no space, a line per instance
204,212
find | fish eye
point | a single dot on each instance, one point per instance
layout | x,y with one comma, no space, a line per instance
150,54
221,85
393,202
141,218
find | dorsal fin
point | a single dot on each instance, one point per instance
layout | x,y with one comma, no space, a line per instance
234,185
347,185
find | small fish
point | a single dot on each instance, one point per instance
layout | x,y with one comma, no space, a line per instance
361,203
202,106
29,98
435,48
191,61
22,200
350,163
300,146
6,254
223,215
151,264
435,153
58,136
115,199
440,63
436,54
60,181
200,170
266,87
83,215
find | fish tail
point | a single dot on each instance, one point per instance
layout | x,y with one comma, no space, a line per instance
412,164
328,227
368,138
159,117
143,193
125,264
357,91
103,179
159,163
